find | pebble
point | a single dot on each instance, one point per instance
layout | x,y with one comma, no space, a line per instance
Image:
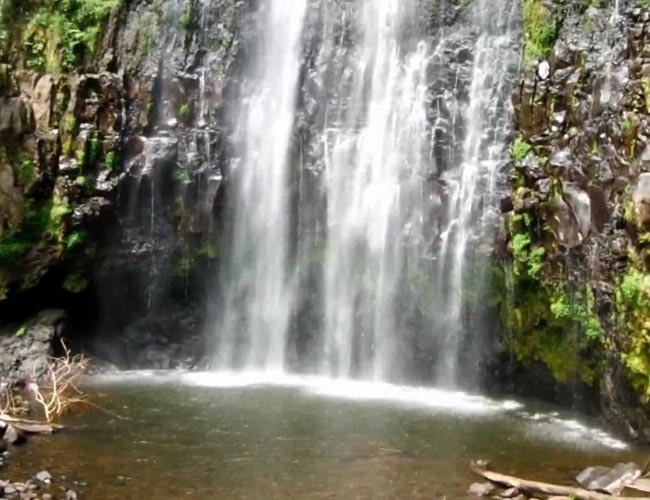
44,477
481,489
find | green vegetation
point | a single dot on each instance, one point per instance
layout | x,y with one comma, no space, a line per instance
185,20
626,124
111,161
75,283
12,248
633,306
26,169
182,174
75,239
208,251
528,259
520,149
462,3
580,309
542,328
58,35
95,152
184,112
540,30
546,321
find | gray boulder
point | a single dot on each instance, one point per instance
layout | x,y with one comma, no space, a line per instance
609,480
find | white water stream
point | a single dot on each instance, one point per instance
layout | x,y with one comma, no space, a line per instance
375,143
258,293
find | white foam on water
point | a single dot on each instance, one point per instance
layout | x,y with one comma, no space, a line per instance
539,426
552,427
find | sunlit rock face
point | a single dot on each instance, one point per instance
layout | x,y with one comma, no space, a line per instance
579,215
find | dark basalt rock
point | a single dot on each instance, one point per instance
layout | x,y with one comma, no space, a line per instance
25,351
585,114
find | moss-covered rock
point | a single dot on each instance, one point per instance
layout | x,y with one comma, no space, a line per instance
579,254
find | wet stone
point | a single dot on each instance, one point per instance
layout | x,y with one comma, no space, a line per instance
481,489
509,493
44,477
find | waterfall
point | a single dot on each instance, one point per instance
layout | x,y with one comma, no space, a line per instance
472,206
375,144
398,167
258,294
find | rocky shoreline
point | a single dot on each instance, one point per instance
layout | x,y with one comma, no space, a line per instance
40,487
627,480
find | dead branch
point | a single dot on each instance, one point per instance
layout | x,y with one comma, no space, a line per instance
62,394
535,487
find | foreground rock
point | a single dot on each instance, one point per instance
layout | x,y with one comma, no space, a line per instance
609,480
26,349
597,480
39,487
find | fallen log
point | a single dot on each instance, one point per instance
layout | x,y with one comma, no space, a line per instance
42,429
536,487
22,422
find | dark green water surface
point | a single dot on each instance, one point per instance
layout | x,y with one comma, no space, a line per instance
183,438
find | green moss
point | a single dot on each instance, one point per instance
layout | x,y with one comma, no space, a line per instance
185,21
75,239
528,257
184,112
545,322
629,212
520,149
95,151
75,283
578,308
208,251
111,161
626,124
181,174
633,306
26,169
540,30
536,334
56,221
30,234
12,249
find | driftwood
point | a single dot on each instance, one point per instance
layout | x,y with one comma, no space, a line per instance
640,485
30,426
533,487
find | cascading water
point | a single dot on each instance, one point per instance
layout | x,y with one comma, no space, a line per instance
258,293
375,156
371,187
472,206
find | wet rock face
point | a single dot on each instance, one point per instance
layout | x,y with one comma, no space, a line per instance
641,200
25,350
111,171
583,112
